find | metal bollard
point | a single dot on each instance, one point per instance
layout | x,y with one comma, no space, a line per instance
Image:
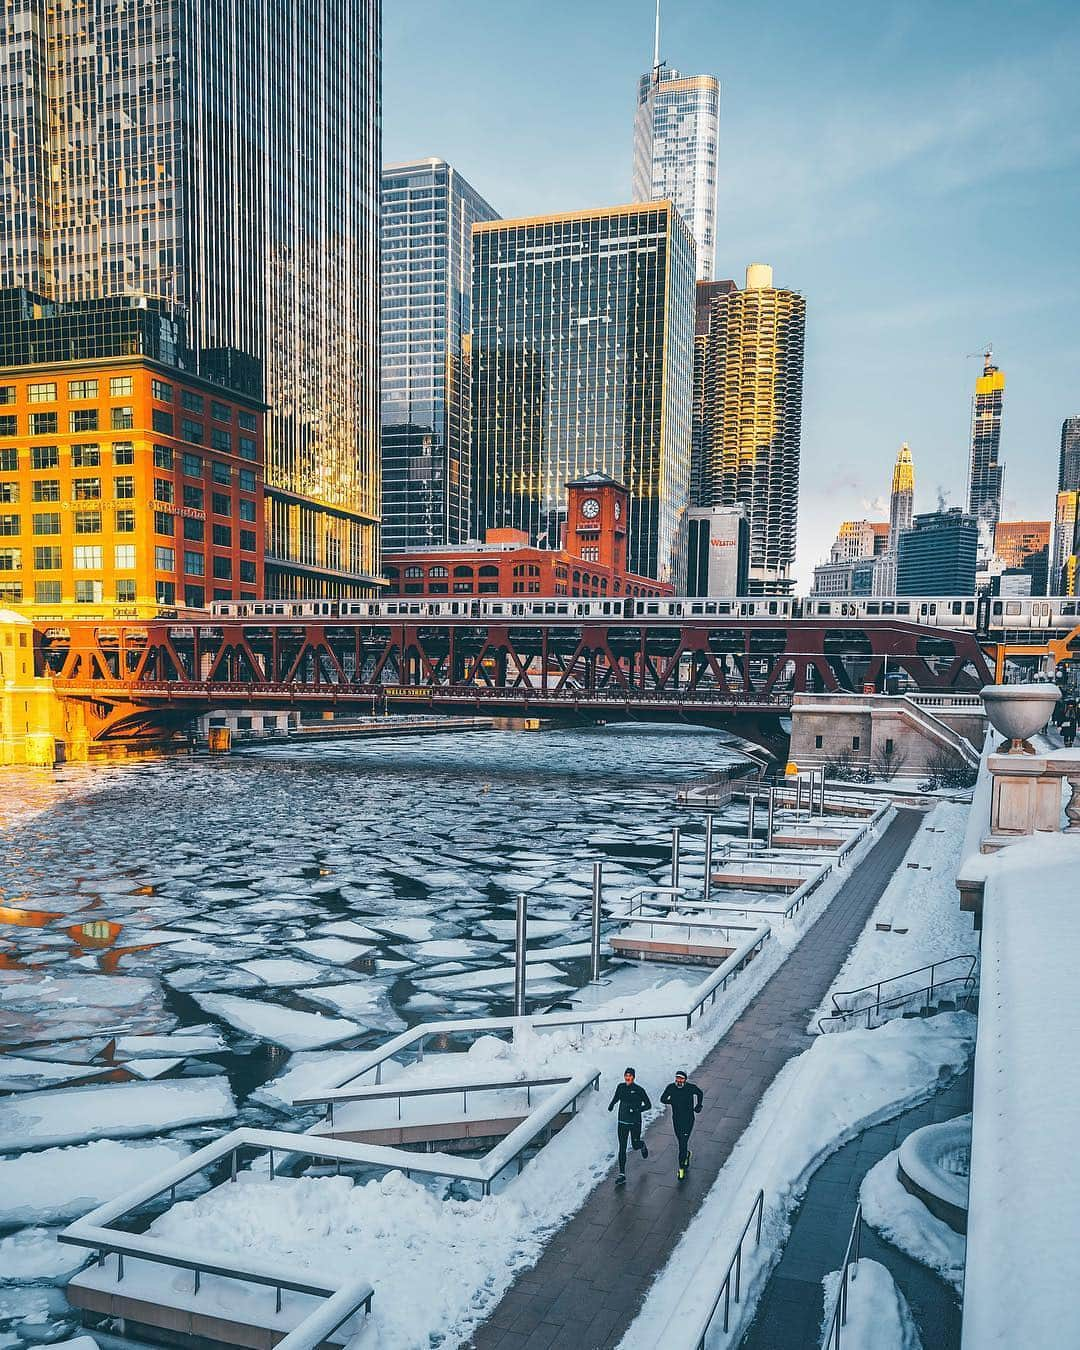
798,795
675,858
708,855
521,919
769,819
597,890
751,817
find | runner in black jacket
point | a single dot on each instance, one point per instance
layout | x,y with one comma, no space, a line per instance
632,1099
685,1101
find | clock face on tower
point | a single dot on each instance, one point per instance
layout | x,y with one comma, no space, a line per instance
590,508
618,510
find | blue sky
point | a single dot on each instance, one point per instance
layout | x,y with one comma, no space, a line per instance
911,168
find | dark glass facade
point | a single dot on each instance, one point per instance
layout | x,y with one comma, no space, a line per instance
428,211
938,555
582,359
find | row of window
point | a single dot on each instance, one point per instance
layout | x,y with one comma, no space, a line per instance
92,592
122,386
91,558
89,522
89,457
122,418
123,489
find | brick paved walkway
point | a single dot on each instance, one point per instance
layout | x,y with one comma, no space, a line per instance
590,1281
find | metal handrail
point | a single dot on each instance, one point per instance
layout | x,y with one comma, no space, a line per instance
375,1094
889,979
872,1010
838,1320
724,1293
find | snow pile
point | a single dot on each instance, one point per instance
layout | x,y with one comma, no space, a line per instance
878,1316
838,1088
903,1220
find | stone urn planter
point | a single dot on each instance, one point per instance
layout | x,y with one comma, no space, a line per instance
1018,711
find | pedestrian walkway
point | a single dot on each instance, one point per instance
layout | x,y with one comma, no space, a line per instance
591,1279
790,1312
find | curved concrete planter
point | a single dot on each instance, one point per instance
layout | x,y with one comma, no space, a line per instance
933,1166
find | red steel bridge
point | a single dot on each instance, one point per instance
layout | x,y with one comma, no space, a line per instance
145,679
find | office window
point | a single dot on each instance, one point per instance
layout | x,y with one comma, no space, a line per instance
9,459
192,402
82,419
164,523
164,558
125,589
120,386
45,490
86,489
855,742
87,557
223,569
124,521
192,431
247,480
44,457
165,592
7,393
221,411
9,493
247,541
194,497
41,393
88,592
890,745
124,487
221,504
220,440
195,597
248,449
817,742
122,418
194,563
9,424
163,457
87,522
123,452
85,456
247,510
48,558
10,559
82,388
162,421
161,390
11,592
45,522
193,466
247,571
247,420
44,424
163,490
46,592
223,536
124,557
195,530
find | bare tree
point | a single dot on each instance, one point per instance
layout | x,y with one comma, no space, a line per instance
888,761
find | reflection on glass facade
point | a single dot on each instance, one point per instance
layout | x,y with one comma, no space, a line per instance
428,211
224,158
583,332
676,128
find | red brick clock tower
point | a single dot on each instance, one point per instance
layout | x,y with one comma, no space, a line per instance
596,520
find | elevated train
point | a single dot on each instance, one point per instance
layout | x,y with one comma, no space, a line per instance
986,616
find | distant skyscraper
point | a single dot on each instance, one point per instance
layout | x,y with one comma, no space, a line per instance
676,128
1025,545
223,158
428,211
701,423
986,471
582,352
938,554
1069,459
902,496
1066,544
755,377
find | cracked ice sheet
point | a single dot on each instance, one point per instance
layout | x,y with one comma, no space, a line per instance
113,1110
366,1001
271,1022
53,1007
60,1184
284,971
28,1075
34,1256
334,949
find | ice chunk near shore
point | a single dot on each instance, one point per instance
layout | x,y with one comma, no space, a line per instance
39,1120
60,1184
307,1072
29,1075
33,1256
366,1000
334,949
283,971
283,1026
204,1040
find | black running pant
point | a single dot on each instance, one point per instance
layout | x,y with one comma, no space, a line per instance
683,1131
631,1132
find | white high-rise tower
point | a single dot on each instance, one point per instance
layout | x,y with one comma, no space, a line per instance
676,128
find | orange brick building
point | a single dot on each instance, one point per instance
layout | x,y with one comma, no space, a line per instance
591,561
129,486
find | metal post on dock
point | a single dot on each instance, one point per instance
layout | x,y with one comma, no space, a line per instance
798,796
770,816
521,920
708,855
597,890
675,858
751,816
822,798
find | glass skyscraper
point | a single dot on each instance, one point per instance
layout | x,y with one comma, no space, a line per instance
986,470
676,129
583,340
223,158
428,211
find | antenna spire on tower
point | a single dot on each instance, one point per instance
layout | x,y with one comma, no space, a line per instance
656,42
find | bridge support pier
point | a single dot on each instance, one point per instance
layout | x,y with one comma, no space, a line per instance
32,718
